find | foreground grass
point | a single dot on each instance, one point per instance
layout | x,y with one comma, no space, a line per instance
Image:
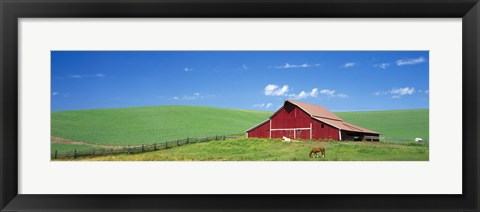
276,150
147,125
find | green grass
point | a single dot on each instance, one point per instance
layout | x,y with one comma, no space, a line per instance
63,148
147,125
392,123
276,150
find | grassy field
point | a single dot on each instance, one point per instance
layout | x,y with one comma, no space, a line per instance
114,128
392,123
276,150
62,148
147,125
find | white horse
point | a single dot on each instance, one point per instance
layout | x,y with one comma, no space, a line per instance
286,139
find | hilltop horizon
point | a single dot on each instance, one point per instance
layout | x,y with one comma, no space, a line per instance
259,110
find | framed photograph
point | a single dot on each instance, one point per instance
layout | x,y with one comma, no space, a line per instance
227,105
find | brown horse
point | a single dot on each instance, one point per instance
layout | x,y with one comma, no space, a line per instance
315,152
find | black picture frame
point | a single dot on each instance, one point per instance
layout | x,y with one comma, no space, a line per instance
11,11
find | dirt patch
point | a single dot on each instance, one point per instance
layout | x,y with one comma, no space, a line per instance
59,140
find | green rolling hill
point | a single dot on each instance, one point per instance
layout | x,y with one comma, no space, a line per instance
147,125
392,123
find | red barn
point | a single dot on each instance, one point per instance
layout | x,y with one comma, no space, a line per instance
299,120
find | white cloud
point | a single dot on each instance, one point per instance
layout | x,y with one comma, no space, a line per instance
379,93
304,95
186,69
410,61
382,65
263,105
287,66
269,89
244,67
397,92
348,65
301,95
55,93
314,93
329,93
78,76
274,90
403,91
195,96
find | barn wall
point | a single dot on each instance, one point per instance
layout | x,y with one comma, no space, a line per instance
327,132
281,133
290,116
262,131
292,134
303,134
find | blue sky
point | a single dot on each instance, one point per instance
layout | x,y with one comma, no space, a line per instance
257,80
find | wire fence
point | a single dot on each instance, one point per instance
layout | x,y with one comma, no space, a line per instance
137,149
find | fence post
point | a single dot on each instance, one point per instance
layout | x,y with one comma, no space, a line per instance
55,154
75,153
177,142
223,137
216,137
166,144
154,146
93,151
188,139
143,149
129,151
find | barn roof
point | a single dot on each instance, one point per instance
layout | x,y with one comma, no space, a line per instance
315,110
322,114
345,126
263,122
